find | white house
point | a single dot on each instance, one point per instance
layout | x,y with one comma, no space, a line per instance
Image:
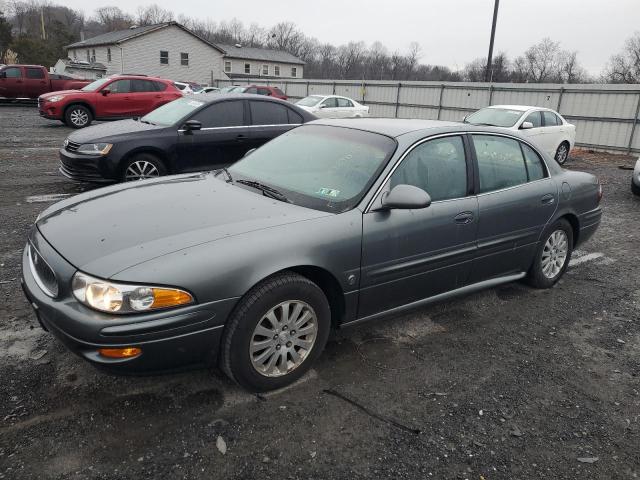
171,51
248,62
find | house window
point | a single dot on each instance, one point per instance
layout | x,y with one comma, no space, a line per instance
109,55
184,59
247,68
265,69
164,57
276,70
88,56
294,71
93,56
75,55
227,66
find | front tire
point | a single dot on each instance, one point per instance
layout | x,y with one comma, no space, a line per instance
562,153
635,188
552,256
276,333
78,116
142,166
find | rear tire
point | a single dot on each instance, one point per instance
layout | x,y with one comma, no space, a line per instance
552,255
143,166
78,116
562,153
635,188
261,349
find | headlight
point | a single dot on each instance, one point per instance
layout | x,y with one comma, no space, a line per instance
95,148
55,98
121,298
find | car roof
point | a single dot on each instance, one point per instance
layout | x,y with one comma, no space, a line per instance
137,77
392,127
521,108
237,96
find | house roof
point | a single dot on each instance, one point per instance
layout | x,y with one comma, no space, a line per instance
84,65
120,36
264,54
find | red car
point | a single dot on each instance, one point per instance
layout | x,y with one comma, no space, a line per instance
274,92
30,81
112,98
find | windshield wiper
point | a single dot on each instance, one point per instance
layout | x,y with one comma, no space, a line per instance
146,121
267,191
483,124
226,172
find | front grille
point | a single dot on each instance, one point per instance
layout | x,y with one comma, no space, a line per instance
71,146
42,273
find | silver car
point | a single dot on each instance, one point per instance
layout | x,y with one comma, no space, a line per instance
635,180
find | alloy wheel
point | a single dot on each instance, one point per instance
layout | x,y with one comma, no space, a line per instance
554,254
283,338
79,117
139,170
562,154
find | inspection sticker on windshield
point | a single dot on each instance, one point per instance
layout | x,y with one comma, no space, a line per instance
194,103
328,192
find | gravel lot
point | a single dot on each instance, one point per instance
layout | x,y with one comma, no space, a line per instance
508,383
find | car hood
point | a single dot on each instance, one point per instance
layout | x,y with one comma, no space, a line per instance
63,92
111,129
111,229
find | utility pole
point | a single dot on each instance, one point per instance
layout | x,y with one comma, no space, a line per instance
488,74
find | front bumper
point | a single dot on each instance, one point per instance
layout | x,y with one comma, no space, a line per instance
50,110
86,168
168,339
636,174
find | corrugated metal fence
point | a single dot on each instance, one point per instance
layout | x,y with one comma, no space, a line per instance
606,116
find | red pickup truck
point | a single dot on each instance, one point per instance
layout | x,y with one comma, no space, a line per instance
31,81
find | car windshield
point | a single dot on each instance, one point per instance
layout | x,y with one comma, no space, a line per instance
93,86
197,88
317,166
310,101
497,117
172,112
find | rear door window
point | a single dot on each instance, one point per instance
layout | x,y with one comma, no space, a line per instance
221,114
251,90
36,73
143,86
550,119
264,91
535,167
294,117
268,113
343,102
500,162
330,102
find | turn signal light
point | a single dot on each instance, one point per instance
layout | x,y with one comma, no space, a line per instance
128,352
163,297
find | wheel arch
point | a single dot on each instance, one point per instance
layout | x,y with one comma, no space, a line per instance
572,218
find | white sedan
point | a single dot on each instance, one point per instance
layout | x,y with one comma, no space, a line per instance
333,106
542,126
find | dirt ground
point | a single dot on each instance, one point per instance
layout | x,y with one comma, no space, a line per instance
509,383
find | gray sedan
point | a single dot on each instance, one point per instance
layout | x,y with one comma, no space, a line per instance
331,224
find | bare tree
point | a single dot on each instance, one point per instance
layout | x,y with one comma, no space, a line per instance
540,62
624,67
152,14
112,18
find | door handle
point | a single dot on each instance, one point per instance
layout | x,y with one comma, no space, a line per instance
241,137
548,199
463,218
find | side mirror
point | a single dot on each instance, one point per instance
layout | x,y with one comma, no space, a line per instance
323,106
191,125
405,197
464,119
105,92
249,152
526,125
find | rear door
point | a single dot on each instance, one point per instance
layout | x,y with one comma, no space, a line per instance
329,108
345,108
36,82
268,120
145,96
409,255
554,132
516,199
12,83
221,141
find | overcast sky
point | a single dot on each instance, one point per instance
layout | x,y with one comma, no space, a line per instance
450,32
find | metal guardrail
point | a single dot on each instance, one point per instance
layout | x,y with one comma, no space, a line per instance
563,98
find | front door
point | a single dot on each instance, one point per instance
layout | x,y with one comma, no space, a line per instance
516,200
409,255
535,134
119,102
221,141
12,83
